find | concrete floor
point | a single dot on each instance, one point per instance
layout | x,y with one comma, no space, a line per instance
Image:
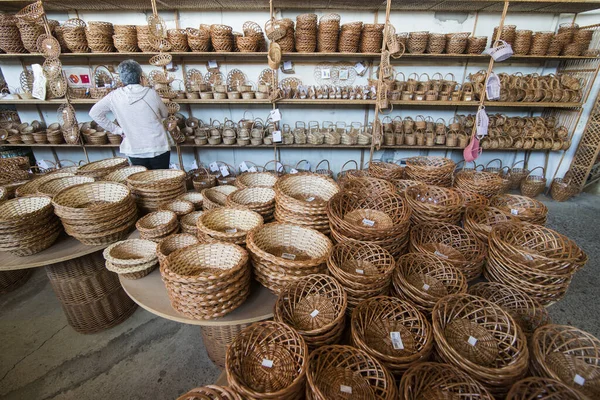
41,357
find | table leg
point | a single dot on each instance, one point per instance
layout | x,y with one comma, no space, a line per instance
11,280
91,296
217,339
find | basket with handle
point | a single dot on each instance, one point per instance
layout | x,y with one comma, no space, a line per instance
562,189
517,175
533,185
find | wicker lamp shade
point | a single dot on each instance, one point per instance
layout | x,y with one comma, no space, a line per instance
336,372
132,258
256,179
479,220
96,213
363,269
542,388
28,225
151,188
98,169
430,380
210,392
216,197
450,243
524,208
481,339
189,222
315,306
282,253
430,170
484,183
173,243
207,280
527,312
157,225
568,355
393,331
227,224
423,279
257,199
434,204
121,174
267,360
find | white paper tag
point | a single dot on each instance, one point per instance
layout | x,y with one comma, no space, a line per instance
43,164
360,271
528,257
426,287
293,171
214,167
224,171
275,115
580,380
472,341
345,389
359,67
277,136
396,341
243,167
279,167
437,253
172,166
232,230
310,199
326,73
514,212
213,64
288,256
267,363
287,65
252,169
314,313
194,165
343,75
368,222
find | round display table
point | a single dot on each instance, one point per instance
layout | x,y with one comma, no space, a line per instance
150,293
91,296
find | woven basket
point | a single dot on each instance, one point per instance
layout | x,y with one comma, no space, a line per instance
228,224
58,183
193,197
393,331
533,185
274,349
283,253
476,44
12,280
172,243
257,199
472,199
434,204
336,371
132,258
569,355
541,388
208,280
385,170
98,169
122,174
178,206
32,186
315,307
524,208
481,339
430,170
417,42
157,225
328,33
217,196
562,189
151,188
306,33
210,392
255,179
484,183
479,220
189,222
450,243
523,40
423,279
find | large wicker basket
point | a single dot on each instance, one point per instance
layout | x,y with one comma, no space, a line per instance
524,208
173,243
542,388
256,179
479,220
98,169
151,188
228,224
430,170
434,204
484,183
210,392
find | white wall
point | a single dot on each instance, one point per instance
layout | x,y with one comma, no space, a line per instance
482,24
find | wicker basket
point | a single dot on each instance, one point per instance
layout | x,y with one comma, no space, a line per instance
58,183
257,199
172,243
481,339
541,388
12,280
430,170
216,197
132,258
315,306
328,33
122,174
484,183
98,169
385,170
157,225
274,349
178,206
479,220
434,204
256,179
524,208
189,222
533,185
151,188
423,279
210,392
193,197
417,42
32,186
336,371
283,253
562,189
228,224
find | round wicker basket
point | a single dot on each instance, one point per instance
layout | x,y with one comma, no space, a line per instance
195,198
430,170
542,388
434,204
216,197
98,169
172,243
479,220
256,179
132,258
524,208
484,183
210,392
258,199
157,225
228,224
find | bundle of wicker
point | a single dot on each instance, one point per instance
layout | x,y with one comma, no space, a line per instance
173,243
99,36
363,269
423,279
301,199
274,349
283,253
10,38
28,225
430,170
132,258
257,199
569,355
482,339
216,197
327,33
450,243
96,213
178,206
210,392
256,179
541,388
151,188
393,331
306,33
101,168
479,220
484,183
524,208
315,306
434,204
336,372
227,224
157,225
207,280
57,183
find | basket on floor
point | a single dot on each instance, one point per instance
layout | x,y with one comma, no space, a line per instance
210,392
423,279
172,243
541,388
393,331
524,208
479,220
256,179
450,243
336,371
193,197
282,253
157,225
430,170
216,197
363,269
533,185
98,169
274,349
257,199
132,258
178,206
569,355
434,204
151,188
562,189
480,182
189,222
227,224
122,174
315,306
217,338
482,339
207,280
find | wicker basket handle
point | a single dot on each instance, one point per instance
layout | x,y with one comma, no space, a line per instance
302,161
323,161
491,161
277,165
403,77
347,162
437,76
300,125
244,115
424,80
253,164
419,118
507,168
540,167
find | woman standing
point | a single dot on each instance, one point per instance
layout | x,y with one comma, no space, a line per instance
139,112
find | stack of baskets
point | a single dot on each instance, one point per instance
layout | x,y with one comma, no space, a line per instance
198,39
96,213
479,220
216,197
189,222
32,186
54,185
484,183
74,35
521,207
282,253
371,38
173,243
417,42
306,33
178,39
143,38
99,36
256,179
227,224
157,225
151,188
132,258
101,168
430,170
221,38
125,38
434,204
178,206
476,44
28,225
10,38
257,199
122,174
286,42
207,280
350,37
328,32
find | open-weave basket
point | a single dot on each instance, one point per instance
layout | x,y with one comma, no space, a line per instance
132,258
282,253
386,170
423,279
267,360
315,306
479,220
569,355
98,169
157,225
257,199
524,208
216,197
533,185
393,331
484,183
562,189
430,170
210,392
256,179
434,204
482,339
207,280
541,388
336,371
227,224
172,243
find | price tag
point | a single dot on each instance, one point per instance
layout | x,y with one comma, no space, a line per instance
368,222
345,389
275,115
326,73
212,64
231,230
252,169
314,313
224,171
528,257
293,171
360,271
396,341
172,166
288,256
267,363
170,66
437,253
580,380
360,68
344,74
472,341
287,65
243,167
43,164
426,287
277,136
310,199
514,212
194,165
214,167
279,167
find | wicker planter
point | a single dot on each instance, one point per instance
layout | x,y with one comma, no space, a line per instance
434,204
227,224
521,207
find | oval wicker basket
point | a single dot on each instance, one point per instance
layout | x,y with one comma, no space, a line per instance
98,169
315,306
216,197
542,388
386,170
157,225
195,198
479,220
484,183
172,243
256,179
524,208
55,185
32,186
434,204
178,206
132,258
366,186
189,222
122,174
430,170
227,224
